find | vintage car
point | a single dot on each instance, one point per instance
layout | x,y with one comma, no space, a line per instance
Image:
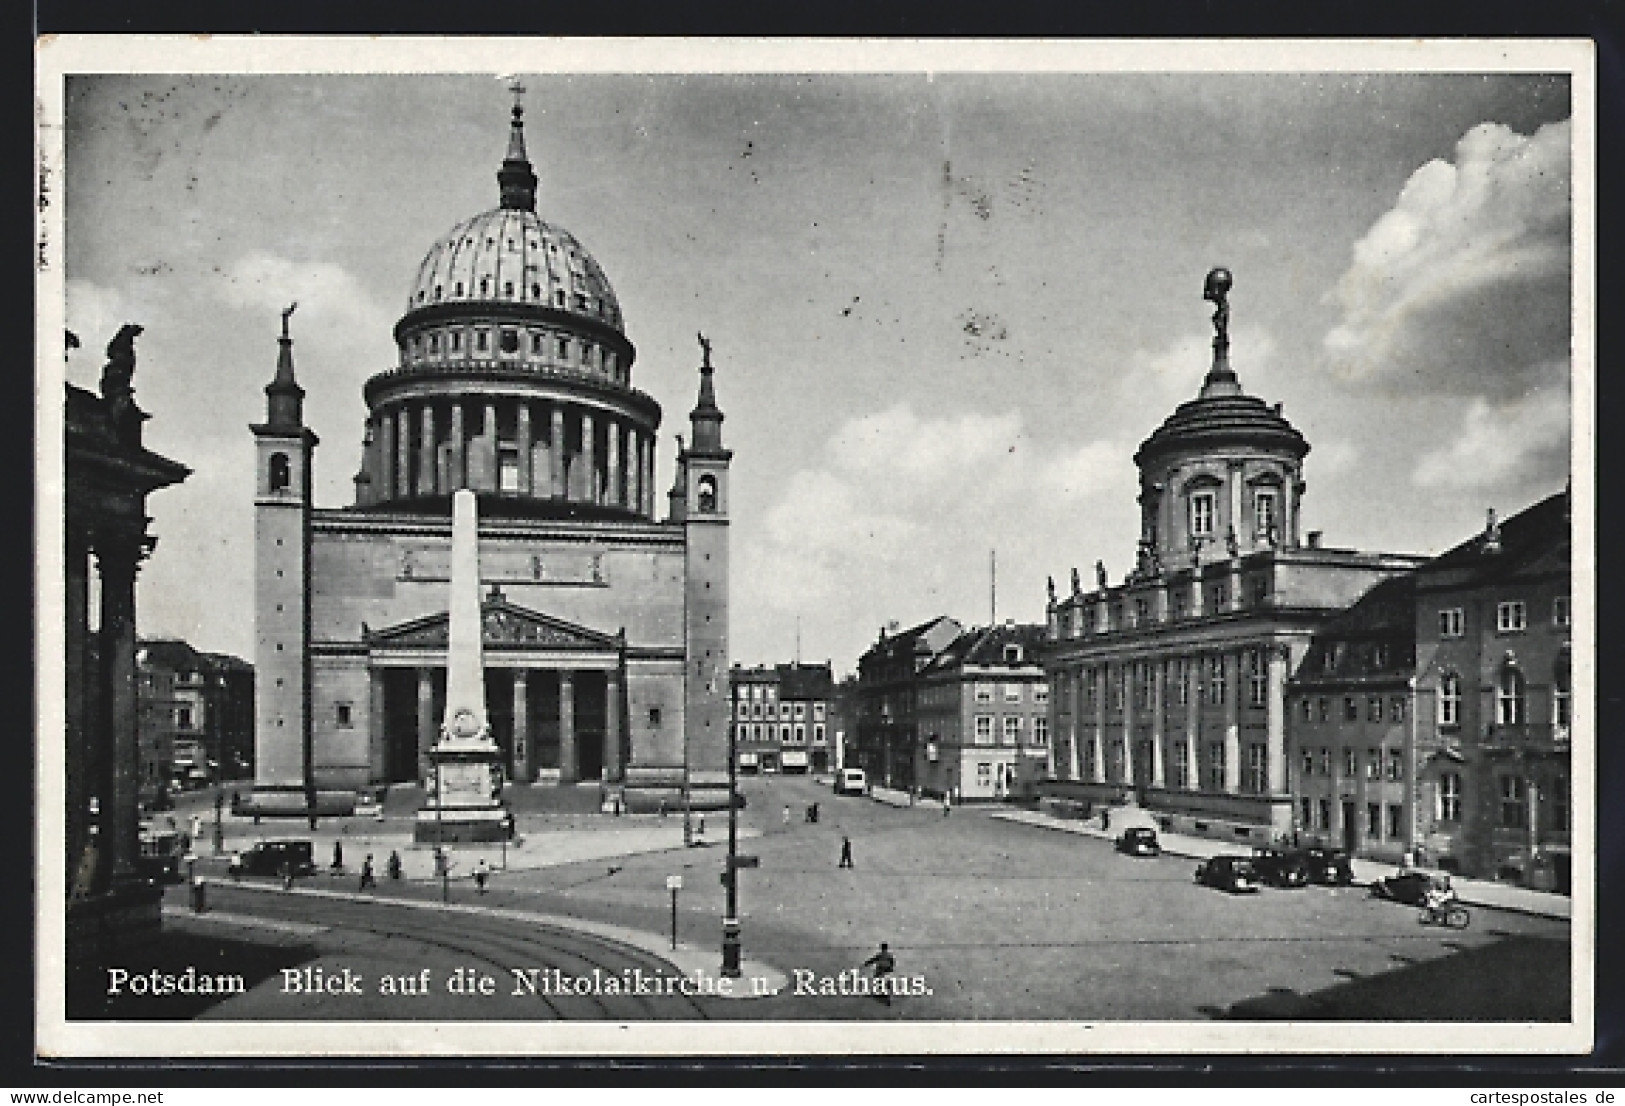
1228,873
1409,886
1139,841
1280,868
271,858
1328,866
161,854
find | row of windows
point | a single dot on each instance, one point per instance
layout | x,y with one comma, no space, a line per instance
1378,764
983,730
1511,698
1203,513
789,735
1321,708
1208,674
785,711
1382,823
1012,693
578,297
510,341
1511,617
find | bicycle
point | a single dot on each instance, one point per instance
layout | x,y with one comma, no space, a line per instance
1451,915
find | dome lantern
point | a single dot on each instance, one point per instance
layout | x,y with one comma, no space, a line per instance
516,178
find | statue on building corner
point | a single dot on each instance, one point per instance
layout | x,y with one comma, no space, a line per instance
1100,576
705,348
117,390
1050,582
1077,584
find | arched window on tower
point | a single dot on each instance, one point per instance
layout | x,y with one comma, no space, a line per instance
708,493
281,472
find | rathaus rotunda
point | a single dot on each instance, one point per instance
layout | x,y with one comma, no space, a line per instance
604,611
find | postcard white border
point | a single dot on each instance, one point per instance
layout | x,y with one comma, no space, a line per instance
60,56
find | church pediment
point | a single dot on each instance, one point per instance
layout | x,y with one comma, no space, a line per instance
503,625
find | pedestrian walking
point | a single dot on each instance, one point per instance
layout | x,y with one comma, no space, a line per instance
367,879
1105,818
846,853
883,964
338,856
786,815
287,876
947,804
482,872
393,865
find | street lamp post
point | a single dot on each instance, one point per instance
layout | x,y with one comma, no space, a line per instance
440,837
730,921
674,884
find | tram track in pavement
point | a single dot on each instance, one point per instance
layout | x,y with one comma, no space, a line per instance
493,941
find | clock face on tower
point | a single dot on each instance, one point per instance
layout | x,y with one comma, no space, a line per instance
464,724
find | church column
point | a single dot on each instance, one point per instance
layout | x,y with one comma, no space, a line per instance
426,726
1290,502
1159,703
383,486
559,489
118,559
1097,741
1275,717
634,469
1193,722
403,451
490,451
612,727
428,463
1232,721
459,448
1235,489
567,727
649,476
612,463
524,443
589,465
522,770
377,734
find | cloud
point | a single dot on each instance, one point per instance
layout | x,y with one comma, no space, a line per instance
1500,443
1463,286
897,518
329,296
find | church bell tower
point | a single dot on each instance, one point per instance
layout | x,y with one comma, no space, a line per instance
284,450
703,469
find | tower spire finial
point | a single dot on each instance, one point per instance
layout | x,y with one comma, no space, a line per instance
1221,378
516,179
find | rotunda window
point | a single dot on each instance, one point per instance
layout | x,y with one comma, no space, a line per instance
437,291
581,302
535,291
510,341
420,295
485,286
459,288
434,343
536,343
507,289
564,348
481,340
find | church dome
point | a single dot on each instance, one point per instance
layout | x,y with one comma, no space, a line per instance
1213,423
509,255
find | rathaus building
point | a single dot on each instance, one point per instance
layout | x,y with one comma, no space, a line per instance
1169,686
604,609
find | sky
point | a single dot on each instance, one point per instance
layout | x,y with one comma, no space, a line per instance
945,308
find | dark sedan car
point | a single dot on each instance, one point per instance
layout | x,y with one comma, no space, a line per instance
1280,868
1139,841
1328,866
1409,887
269,858
1228,873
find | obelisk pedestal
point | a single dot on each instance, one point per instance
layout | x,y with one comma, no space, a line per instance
464,800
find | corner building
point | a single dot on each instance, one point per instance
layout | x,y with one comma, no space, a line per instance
1169,688
605,627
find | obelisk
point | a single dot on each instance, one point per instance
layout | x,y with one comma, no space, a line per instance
465,803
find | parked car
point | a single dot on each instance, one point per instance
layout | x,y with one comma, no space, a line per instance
368,805
1280,868
160,857
268,858
1139,841
1228,873
851,781
1409,887
1329,866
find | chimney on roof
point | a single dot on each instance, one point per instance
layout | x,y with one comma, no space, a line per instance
1492,533
1314,539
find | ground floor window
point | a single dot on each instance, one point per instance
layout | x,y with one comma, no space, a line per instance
1306,812
1257,768
1396,821
1373,820
1325,812
1514,803
1182,764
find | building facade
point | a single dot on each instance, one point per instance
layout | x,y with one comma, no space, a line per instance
605,626
982,709
1169,688
886,741
782,717
108,474
197,716
1494,633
